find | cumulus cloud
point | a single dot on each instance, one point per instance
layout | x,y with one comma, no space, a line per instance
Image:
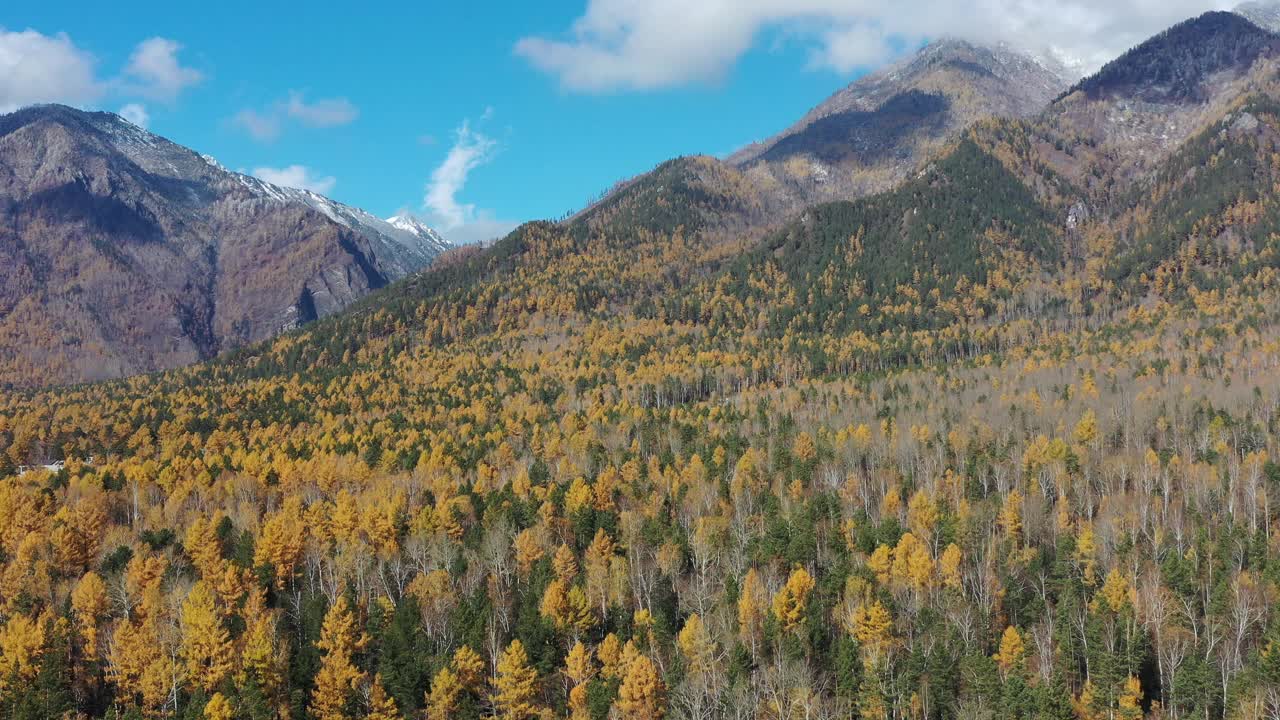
136,114
625,45
268,124
154,70
297,176
36,68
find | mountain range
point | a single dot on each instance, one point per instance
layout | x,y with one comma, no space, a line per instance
132,254
127,253
872,134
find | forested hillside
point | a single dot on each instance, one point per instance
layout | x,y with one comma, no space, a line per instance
999,443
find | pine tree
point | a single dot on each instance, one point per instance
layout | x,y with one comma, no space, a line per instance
401,648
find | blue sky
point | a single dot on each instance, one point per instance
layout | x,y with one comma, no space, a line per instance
518,110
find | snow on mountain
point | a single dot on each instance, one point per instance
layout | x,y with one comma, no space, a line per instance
1263,13
402,247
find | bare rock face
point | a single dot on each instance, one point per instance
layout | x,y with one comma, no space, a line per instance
125,253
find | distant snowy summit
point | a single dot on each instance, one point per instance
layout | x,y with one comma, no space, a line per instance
402,243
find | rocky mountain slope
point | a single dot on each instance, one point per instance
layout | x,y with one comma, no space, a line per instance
126,253
1263,13
872,134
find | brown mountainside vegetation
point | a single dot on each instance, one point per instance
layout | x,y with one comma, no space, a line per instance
1003,442
125,253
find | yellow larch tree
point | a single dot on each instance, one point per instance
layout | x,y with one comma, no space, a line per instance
1012,650
751,601
89,602
338,676
610,655
791,603
202,546
949,567
516,685
578,670
697,645
469,667
381,705
565,564
262,660
22,641
1116,591
219,708
442,698
1130,701
873,629
641,696
1010,517
922,515
207,653
281,540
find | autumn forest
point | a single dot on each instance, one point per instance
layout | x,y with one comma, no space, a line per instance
931,453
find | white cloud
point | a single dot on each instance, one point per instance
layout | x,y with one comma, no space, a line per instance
268,124
297,176
136,114
261,127
36,68
155,72
470,150
627,45
327,112
480,230
463,223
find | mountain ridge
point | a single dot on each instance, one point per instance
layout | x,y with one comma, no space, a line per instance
873,133
130,253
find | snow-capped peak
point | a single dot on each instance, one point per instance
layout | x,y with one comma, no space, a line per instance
409,223
403,243
213,162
